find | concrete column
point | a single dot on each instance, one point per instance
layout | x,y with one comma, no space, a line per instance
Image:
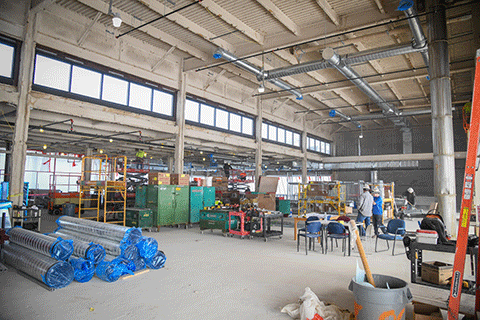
442,123
258,140
180,117
407,140
22,120
88,164
8,160
304,151
170,164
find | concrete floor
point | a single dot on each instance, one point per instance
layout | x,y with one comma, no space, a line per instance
207,276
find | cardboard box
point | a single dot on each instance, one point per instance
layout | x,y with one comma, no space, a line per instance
268,184
423,311
267,201
180,179
348,210
316,190
436,272
158,178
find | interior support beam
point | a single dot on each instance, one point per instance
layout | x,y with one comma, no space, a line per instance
161,9
180,118
150,30
22,119
233,21
259,142
304,151
88,29
442,122
327,8
280,16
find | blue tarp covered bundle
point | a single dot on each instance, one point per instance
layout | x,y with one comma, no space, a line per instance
147,247
104,230
55,274
108,271
56,248
139,263
83,270
129,252
127,263
110,246
157,261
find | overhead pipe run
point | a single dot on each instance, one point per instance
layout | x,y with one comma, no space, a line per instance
222,53
334,112
420,41
332,57
350,59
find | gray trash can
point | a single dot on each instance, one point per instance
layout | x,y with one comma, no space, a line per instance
69,209
380,302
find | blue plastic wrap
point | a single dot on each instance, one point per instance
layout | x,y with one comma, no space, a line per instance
95,253
108,271
129,252
157,261
147,247
139,263
55,274
56,248
110,246
87,250
129,264
83,270
105,230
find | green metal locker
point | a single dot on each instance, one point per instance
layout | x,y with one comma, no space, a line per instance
152,194
196,203
208,196
141,196
181,206
166,205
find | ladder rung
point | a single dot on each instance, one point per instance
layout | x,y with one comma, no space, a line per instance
115,211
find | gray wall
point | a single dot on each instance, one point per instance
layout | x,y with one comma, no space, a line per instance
377,142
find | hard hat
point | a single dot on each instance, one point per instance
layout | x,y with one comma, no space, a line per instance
376,190
410,190
366,187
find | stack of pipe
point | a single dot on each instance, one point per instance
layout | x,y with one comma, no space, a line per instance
126,249
54,273
82,249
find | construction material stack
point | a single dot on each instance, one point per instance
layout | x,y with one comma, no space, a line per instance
127,249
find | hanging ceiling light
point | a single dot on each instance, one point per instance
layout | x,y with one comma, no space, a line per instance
261,88
111,140
41,130
44,146
116,20
361,133
101,150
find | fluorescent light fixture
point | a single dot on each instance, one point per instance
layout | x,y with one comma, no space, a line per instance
116,20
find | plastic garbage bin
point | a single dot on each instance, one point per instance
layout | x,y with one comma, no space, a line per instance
69,209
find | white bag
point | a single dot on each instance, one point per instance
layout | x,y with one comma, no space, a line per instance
310,307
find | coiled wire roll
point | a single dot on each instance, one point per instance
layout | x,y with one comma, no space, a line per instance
111,247
55,274
100,229
56,248
88,251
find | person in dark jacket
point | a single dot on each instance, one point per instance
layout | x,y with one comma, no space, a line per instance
410,196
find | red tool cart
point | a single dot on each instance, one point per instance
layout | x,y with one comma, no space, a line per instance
244,219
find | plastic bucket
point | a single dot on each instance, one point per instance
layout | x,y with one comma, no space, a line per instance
69,209
380,302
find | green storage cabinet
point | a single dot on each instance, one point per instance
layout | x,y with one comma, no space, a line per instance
196,203
152,194
182,204
139,217
216,219
141,196
166,205
208,196
283,206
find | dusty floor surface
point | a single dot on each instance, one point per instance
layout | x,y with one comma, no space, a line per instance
207,277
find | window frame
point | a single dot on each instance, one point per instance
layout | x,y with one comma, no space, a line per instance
286,131
320,141
104,71
17,45
230,111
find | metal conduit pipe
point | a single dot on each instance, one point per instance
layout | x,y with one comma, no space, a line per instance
355,58
334,112
420,41
331,56
402,113
221,53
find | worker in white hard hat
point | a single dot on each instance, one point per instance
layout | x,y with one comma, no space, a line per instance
410,195
365,206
